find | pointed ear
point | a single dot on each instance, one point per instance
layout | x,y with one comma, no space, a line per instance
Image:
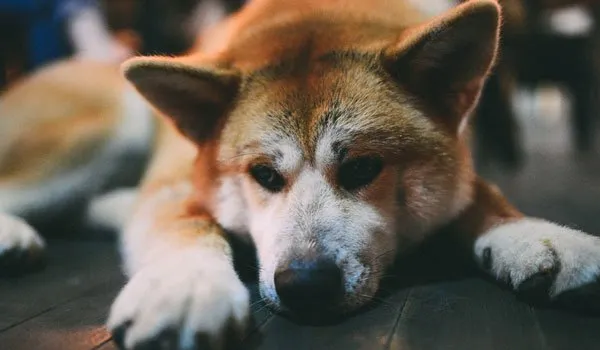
445,62
193,97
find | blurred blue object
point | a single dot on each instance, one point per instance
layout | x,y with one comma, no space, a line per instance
44,22
20,6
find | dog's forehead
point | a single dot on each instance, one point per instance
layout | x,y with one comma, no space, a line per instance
320,111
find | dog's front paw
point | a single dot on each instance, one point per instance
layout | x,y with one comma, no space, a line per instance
193,301
541,260
21,248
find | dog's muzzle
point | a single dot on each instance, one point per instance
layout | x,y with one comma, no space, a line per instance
309,286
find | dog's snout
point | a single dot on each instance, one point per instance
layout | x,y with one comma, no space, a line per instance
309,285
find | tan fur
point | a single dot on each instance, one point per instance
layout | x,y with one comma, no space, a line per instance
75,106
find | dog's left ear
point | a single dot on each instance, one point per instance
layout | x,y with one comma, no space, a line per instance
195,95
445,62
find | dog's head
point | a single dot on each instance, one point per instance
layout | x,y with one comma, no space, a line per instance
342,158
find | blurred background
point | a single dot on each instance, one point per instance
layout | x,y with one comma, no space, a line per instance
536,130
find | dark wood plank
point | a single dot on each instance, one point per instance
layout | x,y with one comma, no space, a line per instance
75,325
73,269
467,314
565,331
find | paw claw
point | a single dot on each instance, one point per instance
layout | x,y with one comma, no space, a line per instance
487,258
21,248
118,334
536,288
167,339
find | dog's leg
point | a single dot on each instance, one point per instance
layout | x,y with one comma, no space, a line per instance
111,210
21,247
542,260
183,291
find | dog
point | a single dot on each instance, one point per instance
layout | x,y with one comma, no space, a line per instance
71,133
333,136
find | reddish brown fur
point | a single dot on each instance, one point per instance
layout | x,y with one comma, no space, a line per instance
309,54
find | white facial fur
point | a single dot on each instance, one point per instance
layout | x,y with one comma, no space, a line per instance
305,139
312,216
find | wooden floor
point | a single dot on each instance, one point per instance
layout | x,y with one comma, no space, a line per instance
64,306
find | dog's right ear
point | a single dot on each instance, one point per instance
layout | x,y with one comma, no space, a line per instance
193,96
446,61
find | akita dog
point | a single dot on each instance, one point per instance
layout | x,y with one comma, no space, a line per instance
333,135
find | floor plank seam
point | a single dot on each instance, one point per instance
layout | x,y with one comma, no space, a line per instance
258,328
389,340
99,346
86,293
16,324
542,338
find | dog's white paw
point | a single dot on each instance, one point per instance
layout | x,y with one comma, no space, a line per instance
191,301
535,255
21,248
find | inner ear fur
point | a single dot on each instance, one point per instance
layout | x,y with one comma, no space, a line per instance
193,94
446,61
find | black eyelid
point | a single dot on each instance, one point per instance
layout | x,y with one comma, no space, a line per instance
267,177
352,177
373,159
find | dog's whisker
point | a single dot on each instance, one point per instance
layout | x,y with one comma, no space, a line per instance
375,299
261,300
381,270
253,267
262,308
377,257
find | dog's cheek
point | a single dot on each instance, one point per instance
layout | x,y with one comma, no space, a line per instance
366,247
365,275
274,248
256,197
263,211
361,282
427,192
381,193
355,277
266,227
268,254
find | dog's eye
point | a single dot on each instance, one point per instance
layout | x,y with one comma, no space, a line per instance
359,172
267,177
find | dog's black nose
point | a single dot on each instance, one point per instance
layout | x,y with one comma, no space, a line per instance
306,286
